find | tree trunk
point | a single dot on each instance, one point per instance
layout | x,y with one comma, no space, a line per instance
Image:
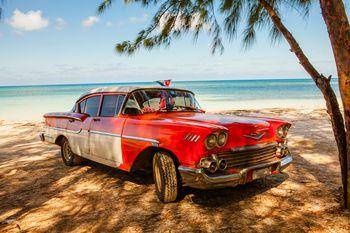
338,27
324,85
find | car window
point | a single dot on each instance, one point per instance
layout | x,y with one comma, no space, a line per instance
74,109
120,103
82,106
132,103
92,105
111,105
164,100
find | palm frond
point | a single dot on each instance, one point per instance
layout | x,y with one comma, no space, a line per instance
257,18
300,6
233,10
2,3
104,6
275,34
175,18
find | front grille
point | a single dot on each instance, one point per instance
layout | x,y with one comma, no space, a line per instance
249,156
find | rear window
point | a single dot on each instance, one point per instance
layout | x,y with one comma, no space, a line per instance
111,105
82,106
92,105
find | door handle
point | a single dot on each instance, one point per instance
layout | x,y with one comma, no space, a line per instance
71,120
97,119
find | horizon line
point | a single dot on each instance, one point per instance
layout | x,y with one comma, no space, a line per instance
174,81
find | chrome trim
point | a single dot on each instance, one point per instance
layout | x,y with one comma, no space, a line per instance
285,161
258,146
72,131
55,128
66,130
153,141
255,136
106,134
47,136
63,117
197,178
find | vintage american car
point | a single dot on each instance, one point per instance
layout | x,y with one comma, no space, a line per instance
164,130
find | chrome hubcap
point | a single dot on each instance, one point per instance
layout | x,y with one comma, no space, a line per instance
67,152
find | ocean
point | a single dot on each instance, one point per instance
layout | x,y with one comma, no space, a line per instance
31,102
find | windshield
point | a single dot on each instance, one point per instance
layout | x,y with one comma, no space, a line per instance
145,101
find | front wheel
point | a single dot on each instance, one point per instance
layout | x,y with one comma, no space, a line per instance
68,157
165,177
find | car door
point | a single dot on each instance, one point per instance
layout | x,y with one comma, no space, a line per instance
78,131
106,130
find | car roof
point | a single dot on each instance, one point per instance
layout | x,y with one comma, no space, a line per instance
126,89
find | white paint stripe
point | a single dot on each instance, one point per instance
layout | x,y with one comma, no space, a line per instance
106,134
113,135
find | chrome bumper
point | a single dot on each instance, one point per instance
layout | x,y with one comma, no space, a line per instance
197,178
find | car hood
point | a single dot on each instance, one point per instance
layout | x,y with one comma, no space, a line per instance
223,120
242,130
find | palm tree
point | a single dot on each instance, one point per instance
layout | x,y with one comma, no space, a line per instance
177,17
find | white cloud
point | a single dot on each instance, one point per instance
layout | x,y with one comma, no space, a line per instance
60,23
90,21
30,21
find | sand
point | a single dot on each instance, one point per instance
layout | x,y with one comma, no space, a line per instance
39,194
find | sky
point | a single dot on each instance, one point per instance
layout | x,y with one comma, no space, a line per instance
61,42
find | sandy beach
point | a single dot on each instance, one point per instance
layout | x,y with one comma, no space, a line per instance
39,194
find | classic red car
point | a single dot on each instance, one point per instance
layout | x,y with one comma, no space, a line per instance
164,129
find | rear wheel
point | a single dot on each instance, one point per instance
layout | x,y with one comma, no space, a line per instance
68,157
165,177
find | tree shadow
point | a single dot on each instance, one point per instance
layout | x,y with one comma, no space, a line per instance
40,194
137,177
226,196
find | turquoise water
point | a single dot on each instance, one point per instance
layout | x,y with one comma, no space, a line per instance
31,102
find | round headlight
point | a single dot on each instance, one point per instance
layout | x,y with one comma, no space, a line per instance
210,142
222,138
285,130
279,132
282,131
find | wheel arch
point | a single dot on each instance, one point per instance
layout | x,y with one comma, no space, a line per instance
144,159
59,140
